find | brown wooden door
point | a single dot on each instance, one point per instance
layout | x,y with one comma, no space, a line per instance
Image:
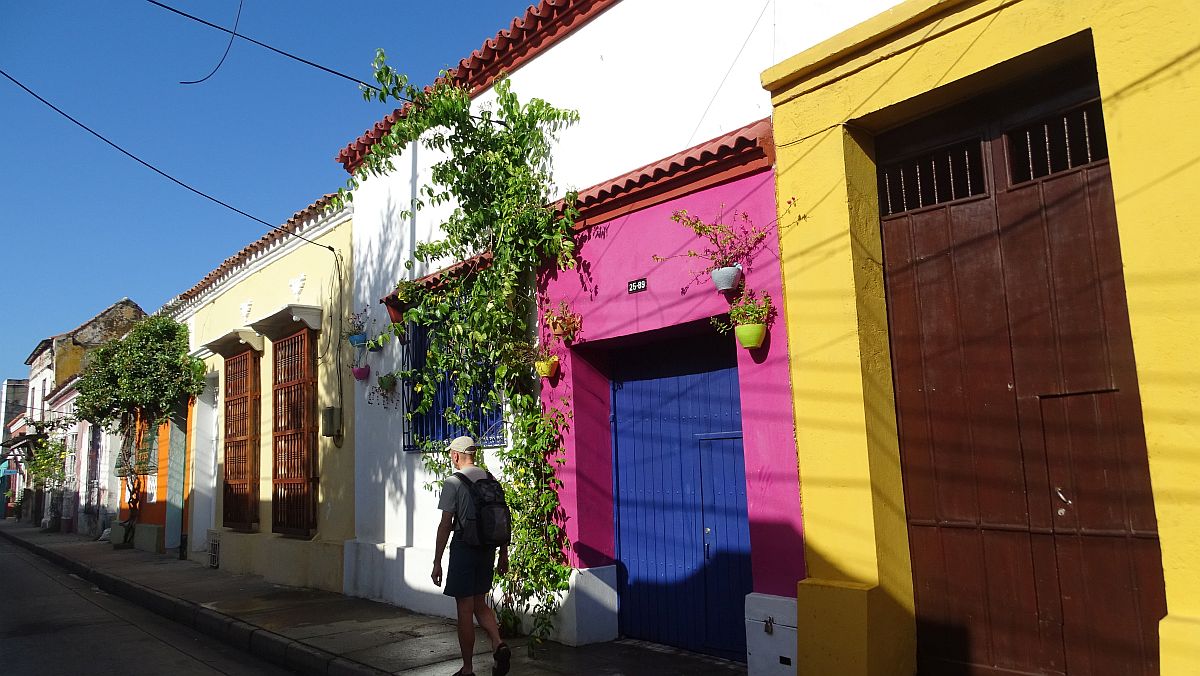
294,467
1031,521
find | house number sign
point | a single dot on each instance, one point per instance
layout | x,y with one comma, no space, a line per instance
637,285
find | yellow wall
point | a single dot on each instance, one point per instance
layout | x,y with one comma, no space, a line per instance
316,563
925,54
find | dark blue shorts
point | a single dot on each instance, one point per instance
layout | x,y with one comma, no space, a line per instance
470,572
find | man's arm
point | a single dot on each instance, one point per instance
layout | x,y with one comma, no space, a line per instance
502,564
439,548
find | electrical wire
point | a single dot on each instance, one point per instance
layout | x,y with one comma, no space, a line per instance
217,67
234,33
731,65
153,168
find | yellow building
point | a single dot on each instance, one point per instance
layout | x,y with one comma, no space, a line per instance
990,307
271,476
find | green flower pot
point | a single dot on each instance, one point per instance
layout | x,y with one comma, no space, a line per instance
750,335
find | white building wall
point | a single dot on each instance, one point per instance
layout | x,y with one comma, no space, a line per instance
649,78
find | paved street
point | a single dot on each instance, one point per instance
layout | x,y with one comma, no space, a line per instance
55,623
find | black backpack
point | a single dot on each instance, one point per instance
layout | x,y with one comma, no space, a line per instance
493,521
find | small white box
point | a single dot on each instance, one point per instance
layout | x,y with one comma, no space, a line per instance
770,635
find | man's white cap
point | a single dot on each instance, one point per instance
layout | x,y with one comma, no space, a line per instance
462,445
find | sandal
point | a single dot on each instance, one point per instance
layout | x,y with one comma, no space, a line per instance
502,657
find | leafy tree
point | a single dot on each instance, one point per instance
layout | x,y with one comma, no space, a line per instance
497,176
133,384
46,463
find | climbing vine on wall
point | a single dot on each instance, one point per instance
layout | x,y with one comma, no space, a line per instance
495,177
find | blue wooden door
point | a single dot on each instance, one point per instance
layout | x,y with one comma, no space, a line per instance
683,542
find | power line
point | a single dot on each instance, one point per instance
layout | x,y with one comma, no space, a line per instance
266,46
236,20
153,168
301,59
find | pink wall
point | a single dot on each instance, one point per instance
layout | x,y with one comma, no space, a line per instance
611,255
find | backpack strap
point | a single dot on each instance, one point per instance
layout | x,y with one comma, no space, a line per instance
472,489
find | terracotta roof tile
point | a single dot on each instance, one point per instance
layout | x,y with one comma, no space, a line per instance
542,26
750,147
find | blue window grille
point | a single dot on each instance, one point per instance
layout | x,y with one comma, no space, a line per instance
487,424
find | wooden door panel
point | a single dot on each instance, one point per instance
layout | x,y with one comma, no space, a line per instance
1105,629
920,480
1012,603
1015,381
941,377
1031,323
1081,327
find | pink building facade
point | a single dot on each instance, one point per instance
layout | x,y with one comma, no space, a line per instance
626,223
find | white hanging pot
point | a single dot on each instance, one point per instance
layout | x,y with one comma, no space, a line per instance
726,279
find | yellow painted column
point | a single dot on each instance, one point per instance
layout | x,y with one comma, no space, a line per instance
855,610
1148,60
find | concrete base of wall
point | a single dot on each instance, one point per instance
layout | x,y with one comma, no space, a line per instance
316,564
148,537
852,629
400,576
771,635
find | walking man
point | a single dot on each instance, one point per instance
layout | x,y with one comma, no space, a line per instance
471,565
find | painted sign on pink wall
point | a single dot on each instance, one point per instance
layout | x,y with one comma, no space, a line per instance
635,283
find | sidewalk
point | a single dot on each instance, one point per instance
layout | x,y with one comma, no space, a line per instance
320,633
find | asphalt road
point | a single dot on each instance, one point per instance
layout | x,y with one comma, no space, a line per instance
52,622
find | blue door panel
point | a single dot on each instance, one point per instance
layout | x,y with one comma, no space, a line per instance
678,471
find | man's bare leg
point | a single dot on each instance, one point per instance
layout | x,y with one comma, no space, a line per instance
487,620
466,631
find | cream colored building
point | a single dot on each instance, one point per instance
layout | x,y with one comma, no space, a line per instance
270,475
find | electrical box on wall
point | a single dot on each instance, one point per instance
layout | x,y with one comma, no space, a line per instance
770,635
331,421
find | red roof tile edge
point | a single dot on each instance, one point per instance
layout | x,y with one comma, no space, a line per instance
742,151
292,225
542,26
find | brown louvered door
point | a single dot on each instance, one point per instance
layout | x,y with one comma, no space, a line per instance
294,486
1031,522
240,491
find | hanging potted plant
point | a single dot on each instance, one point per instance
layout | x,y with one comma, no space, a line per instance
405,297
544,362
355,330
361,372
387,382
562,322
749,316
729,246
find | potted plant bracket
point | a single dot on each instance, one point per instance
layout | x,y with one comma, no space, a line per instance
749,316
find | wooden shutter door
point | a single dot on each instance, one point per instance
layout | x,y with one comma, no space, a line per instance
240,503
294,490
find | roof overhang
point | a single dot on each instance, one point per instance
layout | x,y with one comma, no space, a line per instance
22,440
287,320
235,342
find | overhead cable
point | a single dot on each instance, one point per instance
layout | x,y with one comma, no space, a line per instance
153,168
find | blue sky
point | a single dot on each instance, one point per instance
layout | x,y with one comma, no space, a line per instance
83,226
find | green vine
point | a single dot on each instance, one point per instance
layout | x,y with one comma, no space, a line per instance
135,383
497,176
46,463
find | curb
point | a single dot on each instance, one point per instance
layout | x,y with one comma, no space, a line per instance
262,643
